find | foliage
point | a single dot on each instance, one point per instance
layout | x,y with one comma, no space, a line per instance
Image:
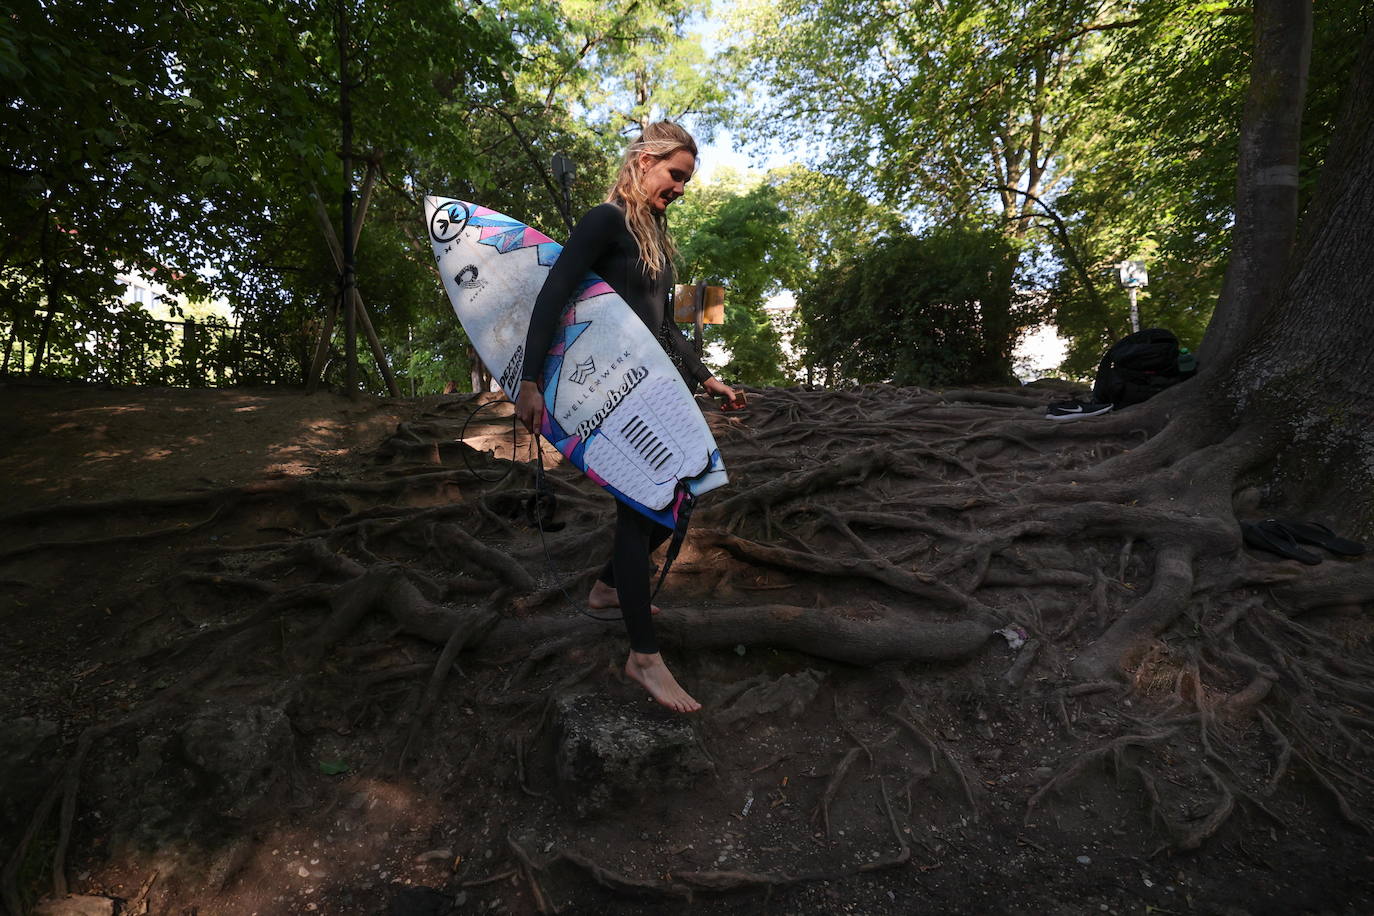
829,221
1156,163
173,140
207,130
740,239
908,310
965,111
920,103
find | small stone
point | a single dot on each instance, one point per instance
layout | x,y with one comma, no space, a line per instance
1084,860
303,872
460,898
435,855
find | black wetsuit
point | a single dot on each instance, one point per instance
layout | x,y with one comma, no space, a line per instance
602,244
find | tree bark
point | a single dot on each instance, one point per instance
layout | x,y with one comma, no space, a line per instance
1309,367
1266,210
348,280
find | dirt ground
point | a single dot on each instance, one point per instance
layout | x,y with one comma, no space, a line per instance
895,787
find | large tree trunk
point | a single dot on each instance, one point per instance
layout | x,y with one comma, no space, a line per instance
1266,208
1308,370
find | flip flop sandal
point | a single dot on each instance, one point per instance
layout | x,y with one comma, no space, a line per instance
1321,536
1272,537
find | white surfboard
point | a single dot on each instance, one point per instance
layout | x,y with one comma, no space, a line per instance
614,403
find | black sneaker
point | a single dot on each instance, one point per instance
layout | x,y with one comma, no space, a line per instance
1075,410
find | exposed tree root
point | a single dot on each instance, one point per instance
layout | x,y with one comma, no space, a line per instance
912,525
822,812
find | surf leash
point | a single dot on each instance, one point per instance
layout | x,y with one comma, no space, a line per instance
542,490
463,436
544,502
684,500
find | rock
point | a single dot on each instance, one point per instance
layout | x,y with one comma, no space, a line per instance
609,752
245,750
435,855
789,694
78,905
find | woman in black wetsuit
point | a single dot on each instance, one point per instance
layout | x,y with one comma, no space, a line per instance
625,242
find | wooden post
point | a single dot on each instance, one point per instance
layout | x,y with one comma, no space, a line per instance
312,381
359,310
699,312
190,352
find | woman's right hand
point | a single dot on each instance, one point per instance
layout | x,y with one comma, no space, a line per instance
529,406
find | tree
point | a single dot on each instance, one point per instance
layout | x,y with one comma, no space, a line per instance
1156,175
740,239
968,110
907,310
204,132
831,222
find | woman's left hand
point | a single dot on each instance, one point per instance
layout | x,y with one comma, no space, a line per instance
734,397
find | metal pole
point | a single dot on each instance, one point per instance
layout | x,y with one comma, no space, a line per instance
1135,312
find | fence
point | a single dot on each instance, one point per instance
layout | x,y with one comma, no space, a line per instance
131,347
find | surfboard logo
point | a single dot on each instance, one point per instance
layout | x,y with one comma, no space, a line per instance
584,371
467,279
511,377
448,221
628,382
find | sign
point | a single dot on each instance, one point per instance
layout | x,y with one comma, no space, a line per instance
684,304
1133,274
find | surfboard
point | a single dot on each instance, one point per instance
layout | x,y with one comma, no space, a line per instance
614,404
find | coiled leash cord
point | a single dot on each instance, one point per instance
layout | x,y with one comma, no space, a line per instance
543,501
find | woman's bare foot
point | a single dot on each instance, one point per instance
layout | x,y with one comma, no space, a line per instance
655,677
604,596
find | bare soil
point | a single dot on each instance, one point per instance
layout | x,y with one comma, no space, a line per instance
169,556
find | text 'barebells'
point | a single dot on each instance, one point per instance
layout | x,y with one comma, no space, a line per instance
627,384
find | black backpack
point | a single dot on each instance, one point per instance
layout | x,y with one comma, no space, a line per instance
1137,367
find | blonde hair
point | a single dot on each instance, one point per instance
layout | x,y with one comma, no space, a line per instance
659,140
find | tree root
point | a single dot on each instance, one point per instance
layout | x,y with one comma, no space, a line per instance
920,585
465,629
137,537
1113,751
832,786
684,884
932,746
1168,595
